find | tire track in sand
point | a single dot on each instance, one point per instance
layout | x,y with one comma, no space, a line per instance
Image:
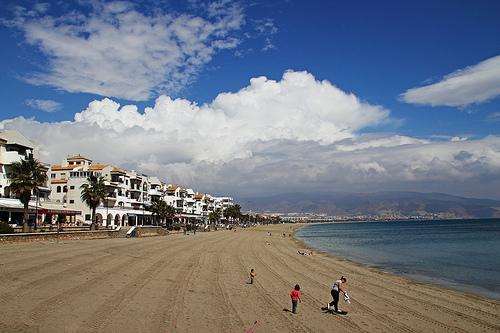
223,291
101,315
48,279
164,319
65,297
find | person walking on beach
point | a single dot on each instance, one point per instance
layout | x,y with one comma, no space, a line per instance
252,275
295,296
338,287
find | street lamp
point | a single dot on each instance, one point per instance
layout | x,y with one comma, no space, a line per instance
36,208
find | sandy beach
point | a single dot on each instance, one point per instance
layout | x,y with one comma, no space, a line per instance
198,283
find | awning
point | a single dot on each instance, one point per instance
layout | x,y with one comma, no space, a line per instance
42,210
14,205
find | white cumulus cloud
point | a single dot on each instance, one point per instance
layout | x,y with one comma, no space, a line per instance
475,84
115,50
293,134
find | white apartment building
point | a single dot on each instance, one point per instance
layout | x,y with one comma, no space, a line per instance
14,147
155,190
174,196
223,203
128,192
190,205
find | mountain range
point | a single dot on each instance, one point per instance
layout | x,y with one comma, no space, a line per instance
378,203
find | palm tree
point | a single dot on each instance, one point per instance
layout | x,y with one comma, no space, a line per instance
155,208
163,210
214,216
93,192
26,177
169,214
233,212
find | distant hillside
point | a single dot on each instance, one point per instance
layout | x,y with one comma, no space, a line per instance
406,203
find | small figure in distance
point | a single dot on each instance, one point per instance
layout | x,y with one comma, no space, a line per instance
338,287
252,275
295,296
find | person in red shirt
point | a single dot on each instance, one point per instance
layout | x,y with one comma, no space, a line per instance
295,295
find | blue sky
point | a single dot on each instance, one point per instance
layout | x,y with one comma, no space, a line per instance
422,73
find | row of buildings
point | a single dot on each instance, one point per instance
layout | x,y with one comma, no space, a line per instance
129,193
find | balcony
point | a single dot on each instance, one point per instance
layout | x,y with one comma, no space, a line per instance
116,180
155,192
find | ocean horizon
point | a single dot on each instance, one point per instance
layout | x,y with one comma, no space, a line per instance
456,254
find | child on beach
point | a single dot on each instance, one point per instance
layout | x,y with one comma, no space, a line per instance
252,275
338,287
295,296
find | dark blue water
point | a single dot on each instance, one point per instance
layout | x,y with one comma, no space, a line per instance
458,254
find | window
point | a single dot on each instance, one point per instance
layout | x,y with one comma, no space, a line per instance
87,217
53,176
72,187
65,189
72,201
58,189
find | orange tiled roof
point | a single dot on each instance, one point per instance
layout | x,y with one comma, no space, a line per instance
78,157
58,181
118,170
62,168
172,187
97,166
198,196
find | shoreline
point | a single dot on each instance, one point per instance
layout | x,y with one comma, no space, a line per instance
412,278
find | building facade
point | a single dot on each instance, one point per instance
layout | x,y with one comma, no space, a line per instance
14,147
129,194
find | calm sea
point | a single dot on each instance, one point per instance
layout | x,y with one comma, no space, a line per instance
458,254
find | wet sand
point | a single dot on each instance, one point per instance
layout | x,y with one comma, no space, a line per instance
197,283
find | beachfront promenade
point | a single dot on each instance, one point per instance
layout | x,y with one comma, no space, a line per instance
198,283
